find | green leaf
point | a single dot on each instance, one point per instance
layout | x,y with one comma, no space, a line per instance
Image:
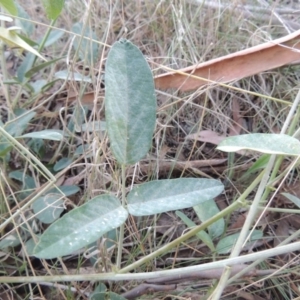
11,240
227,243
5,147
62,163
66,75
53,37
25,66
259,164
292,198
171,194
28,183
48,134
202,235
16,126
82,149
48,208
207,210
41,66
106,296
262,142
130,104
53,8
31,243
9,6
67,190
78,117
26,24
87,49
28,40
13,40
81,227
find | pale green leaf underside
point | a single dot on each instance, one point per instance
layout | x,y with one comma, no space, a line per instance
202,235
48,134
207,210
130,104
262,142
48,208
171,194
227,243
292,198
81,227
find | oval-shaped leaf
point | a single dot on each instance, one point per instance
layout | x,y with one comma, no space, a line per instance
202,235
130,105
226,244
66,75
16,126
25,22
262,142
48,134
67,190
81,227
207,210
171,194
48,208
11,240
53,8
86,47
10,6
62,163
292,198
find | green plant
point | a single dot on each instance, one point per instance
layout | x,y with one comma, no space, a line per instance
36,189
130,121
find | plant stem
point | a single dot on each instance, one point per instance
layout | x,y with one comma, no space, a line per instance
121,234
151,275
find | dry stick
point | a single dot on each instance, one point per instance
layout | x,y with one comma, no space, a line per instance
158,274
121,233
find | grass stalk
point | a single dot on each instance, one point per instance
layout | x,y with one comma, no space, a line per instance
121,233
265,254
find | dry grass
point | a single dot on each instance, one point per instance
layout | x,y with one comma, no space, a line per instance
174,34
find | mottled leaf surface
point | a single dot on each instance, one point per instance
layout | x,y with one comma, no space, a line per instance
130,104
81,227
171,194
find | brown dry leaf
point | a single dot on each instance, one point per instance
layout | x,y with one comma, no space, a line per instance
166,165
207,136
86,99
237,118
234,66
281,232
294,220
167,225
